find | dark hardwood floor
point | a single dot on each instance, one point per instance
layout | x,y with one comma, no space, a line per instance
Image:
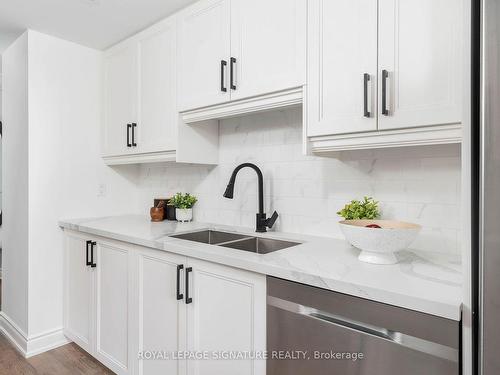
68,359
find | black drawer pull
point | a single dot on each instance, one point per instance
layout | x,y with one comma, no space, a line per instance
129,126
223,64
231,73
87,261
188,299
385,75
92,263
366,78
179,294
134,143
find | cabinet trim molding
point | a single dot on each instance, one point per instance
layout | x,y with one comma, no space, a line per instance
153,157
267,102
422,136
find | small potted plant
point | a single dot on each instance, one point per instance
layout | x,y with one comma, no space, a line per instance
183,204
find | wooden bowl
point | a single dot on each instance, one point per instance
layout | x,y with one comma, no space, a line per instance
378,245
156,214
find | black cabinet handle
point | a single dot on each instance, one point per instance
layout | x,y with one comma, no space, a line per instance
231,73
87,261
223,64
188,299
366,78
134,143
385,75
92,263
179,294
129,126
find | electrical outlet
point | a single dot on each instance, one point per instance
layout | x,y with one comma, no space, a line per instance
101,190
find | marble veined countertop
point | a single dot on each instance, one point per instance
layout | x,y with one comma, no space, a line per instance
422,281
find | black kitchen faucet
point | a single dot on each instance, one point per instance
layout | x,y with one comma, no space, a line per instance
261,223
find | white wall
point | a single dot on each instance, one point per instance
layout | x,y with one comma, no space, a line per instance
416,184
0,162
15,189
65,166
65,171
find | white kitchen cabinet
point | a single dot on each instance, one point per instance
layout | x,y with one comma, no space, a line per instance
78,294
96,305
120,99
161,315
141,119
420,47
122,300
112,292
158,115
268,44
342,50
204,50
227,314
412,54
240,56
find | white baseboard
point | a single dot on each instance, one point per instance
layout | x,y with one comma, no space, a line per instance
15,334
32,345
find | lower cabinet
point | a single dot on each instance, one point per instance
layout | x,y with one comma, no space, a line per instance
97,299
78,293
112,299
160,312
149,312
227,315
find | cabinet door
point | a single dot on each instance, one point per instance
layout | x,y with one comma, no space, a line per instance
204,42
78,293
420,48
157,103
161,316
227,313
120,98
342,48
112,301
268,42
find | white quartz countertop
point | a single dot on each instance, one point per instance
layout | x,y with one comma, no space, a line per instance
421,281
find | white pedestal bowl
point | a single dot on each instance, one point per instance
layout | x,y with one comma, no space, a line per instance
378,245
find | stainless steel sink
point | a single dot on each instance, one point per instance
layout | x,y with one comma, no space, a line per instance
260,245
237,241
211,237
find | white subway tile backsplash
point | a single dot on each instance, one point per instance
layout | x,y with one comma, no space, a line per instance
420,184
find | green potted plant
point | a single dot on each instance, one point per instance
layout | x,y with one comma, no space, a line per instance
183,204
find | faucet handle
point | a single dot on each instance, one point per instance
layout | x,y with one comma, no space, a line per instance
270,222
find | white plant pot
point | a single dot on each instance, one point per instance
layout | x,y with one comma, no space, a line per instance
184,214
378,245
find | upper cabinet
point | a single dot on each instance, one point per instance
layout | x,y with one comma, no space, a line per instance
268,41
204,32
383,74
141,119
420,48
120,99
239,56
157,94
379,74
342,77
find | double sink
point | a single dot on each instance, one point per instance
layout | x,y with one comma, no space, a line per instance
237,241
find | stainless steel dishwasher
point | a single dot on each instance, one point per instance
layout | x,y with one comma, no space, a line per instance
313,331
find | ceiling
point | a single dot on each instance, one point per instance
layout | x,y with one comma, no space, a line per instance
94,23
